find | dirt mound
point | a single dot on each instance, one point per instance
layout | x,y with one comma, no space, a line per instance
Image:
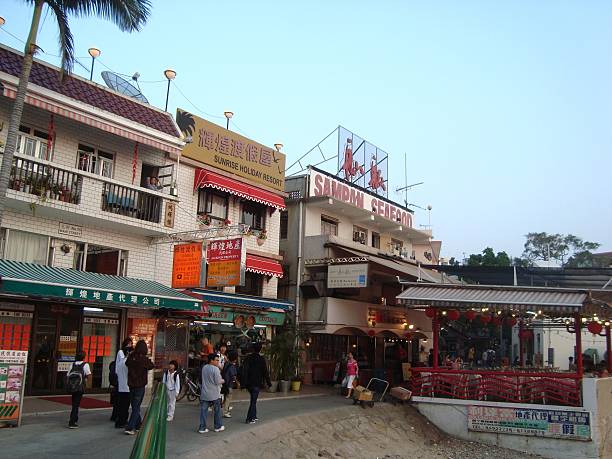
384,431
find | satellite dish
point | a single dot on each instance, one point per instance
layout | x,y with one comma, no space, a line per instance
123,86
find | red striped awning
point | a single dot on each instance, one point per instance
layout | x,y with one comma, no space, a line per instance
208,179
265,266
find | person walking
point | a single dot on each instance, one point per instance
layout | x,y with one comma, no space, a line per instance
352,371
138,365
230,373
76,380
173,386
211,394
122,399
254,375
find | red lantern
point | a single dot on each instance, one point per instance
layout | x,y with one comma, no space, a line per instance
470,315
371,333
497,321
526,335
511,321
595,328
430,312
453,314
485,318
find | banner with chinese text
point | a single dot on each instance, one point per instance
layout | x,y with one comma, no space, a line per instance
187,265
12,384
226,261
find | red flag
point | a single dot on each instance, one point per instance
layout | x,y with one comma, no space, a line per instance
134,162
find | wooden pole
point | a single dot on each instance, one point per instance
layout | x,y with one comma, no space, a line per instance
435,327
578,329
609,348
521,339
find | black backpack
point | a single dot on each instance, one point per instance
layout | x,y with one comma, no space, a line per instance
113,379
75,378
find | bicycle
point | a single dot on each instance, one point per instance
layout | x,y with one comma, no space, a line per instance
190,387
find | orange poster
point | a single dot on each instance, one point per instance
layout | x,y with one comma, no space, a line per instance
187,265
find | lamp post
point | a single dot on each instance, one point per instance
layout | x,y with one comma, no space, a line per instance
278,146
2,21
170,75
94,53
228,116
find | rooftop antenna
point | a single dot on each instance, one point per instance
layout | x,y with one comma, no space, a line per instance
123,86
407,187
135,78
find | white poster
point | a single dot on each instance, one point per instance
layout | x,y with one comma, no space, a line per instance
347,276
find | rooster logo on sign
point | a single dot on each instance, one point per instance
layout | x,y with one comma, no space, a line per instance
376,178
350,166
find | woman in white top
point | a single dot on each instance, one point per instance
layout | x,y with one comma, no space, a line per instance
123,391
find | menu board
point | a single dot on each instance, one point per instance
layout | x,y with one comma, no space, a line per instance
12,382
96,346
15,336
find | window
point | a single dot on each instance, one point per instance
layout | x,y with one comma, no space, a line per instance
213,203
284,224
375,240
396,246
360,235
97,259
253,284
253,215
32,142
329,226
95,161
28,247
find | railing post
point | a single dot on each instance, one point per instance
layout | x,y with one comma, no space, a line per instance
609,348
435,326
521,348
578,329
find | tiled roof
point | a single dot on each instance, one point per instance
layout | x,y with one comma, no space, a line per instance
89,93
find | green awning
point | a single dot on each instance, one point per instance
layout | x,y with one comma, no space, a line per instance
46,282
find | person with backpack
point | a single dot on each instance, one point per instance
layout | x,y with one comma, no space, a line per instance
122,401
138,365
173,386
253,376
229,374
75,385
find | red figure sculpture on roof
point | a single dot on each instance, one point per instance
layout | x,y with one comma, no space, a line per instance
350,167
376,178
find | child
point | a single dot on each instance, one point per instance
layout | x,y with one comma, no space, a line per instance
173,386
75,384
229,376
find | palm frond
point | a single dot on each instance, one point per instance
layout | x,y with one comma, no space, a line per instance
128,15
66,41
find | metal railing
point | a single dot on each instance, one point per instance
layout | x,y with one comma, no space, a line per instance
45,181
124,200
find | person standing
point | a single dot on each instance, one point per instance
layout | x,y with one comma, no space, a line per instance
423,356
254,375
222,355
173,387
229,374
352,370
122,399
204,349
138,365
76,380
211,394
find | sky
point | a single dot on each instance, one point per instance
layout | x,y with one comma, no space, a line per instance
502,108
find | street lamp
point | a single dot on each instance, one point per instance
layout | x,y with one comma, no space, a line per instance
94,53
278,146
170,75
2,21
228,116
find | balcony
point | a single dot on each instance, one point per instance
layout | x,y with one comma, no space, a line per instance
52,191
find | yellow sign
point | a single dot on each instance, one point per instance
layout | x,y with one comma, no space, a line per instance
223,273
231,152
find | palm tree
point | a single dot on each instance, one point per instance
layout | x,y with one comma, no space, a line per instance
128,15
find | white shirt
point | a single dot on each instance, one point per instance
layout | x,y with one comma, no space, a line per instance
170,381
86,369
122,372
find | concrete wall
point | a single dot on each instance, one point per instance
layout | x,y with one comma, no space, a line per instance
451,417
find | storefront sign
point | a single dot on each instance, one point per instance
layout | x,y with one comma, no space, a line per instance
347,276
187,265
323,185
226,150
143,326
244,319
17,314
569,425
98,320
12,384
169,214
70,230
226,261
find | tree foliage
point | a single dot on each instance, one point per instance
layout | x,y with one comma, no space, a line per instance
568,250
489,258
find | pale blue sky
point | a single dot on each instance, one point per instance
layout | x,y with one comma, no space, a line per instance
502,107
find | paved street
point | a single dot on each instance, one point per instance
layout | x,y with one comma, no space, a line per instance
47,436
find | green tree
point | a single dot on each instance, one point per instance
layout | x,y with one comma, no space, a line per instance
558,247
489,258
128,15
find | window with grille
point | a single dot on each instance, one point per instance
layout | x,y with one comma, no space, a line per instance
33,142
329,226
375,240
254,215
95,161
213,203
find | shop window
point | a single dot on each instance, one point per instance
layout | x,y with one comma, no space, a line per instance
28,247
96,161
360,235
213,203
329,225
32,142
254,215
284,224
253,284
100,340
375,240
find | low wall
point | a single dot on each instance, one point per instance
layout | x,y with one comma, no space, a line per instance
451,416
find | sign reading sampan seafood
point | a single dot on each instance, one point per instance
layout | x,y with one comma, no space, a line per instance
218,147
325,185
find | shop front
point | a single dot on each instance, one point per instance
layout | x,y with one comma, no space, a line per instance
53,312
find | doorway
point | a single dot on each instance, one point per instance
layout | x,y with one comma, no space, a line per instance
163,173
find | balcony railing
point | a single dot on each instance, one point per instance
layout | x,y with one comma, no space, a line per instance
124,200
45,181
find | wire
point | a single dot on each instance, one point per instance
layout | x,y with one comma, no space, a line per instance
194,105
12,35
240,130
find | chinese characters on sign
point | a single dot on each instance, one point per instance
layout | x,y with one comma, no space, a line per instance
187,265
231,152
12,379
347,276
114,297
570,425
225,262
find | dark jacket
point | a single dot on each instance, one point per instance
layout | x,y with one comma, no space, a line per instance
230,373
138,365
254,372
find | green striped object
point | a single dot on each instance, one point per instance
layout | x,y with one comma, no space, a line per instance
151,440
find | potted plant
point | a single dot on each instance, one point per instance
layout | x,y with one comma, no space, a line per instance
227,222
205,220
286,355
296,383
261,237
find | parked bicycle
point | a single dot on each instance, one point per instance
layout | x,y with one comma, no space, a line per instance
190,386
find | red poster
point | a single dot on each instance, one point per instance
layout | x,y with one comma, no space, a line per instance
224,250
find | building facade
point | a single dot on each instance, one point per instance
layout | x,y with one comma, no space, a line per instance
352,244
